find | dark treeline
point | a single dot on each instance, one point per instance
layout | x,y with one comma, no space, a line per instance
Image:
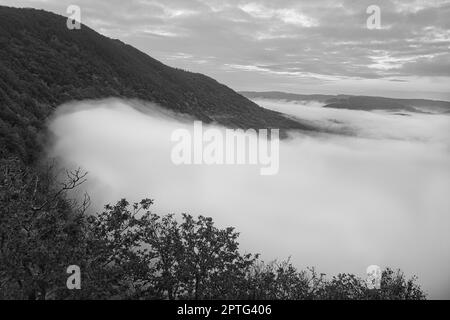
128,252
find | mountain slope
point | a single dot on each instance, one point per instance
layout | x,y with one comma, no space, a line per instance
44,64
358,102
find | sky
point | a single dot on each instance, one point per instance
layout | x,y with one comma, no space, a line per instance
319,46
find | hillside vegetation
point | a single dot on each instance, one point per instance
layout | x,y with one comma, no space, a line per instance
44,64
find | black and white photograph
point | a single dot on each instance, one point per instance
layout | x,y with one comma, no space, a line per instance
248,151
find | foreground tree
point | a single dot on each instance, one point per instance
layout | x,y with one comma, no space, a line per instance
129,252
39,230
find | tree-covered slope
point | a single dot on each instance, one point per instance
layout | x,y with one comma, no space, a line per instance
44,64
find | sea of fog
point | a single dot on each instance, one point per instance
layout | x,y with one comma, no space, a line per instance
379,195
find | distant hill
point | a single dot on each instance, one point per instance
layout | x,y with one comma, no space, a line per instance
358,102
44,64
277,95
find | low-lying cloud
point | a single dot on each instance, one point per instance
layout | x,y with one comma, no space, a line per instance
406,126
340,203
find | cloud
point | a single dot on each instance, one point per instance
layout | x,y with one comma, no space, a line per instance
338,203
402,126
436,65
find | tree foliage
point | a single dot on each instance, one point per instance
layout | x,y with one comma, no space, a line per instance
129,252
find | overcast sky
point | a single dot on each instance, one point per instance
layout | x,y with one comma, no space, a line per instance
318,46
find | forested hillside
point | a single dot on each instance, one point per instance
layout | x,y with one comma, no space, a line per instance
44,64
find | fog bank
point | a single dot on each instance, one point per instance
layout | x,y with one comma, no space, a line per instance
339,203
